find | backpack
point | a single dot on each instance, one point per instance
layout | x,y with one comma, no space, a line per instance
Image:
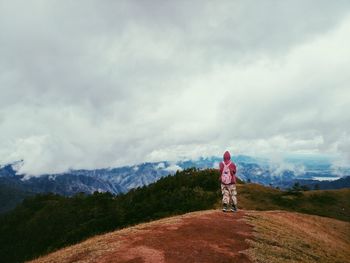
226,176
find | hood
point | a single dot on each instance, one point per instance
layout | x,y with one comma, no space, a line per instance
227,157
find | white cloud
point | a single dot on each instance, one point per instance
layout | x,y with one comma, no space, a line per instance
279,165
87,84
173,168
160,166
216,165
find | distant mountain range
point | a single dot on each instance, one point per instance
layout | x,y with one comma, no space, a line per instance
15,187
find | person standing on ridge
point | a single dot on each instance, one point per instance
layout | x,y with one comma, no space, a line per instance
228,183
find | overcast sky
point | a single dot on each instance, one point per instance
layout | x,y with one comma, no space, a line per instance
91,84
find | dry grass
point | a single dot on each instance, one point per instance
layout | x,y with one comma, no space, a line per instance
279,236
328,203
257,197
293,237
89,250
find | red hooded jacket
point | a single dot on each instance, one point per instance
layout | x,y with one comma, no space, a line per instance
227,159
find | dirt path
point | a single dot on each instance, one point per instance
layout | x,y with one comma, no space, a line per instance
209,236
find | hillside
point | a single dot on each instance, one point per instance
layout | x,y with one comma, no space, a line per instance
51,221
213,236
281,236
328,203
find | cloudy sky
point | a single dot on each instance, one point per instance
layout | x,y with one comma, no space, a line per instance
90,84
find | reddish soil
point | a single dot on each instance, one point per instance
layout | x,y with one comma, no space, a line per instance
210,237
205,236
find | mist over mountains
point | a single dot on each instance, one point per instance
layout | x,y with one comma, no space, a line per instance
15,187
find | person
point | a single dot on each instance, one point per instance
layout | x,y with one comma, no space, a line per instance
228,183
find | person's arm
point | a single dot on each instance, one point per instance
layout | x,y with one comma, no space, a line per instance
221,168
234,170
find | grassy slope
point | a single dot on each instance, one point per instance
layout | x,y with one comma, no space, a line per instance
293,237
175,235
279,236
329,203
52,222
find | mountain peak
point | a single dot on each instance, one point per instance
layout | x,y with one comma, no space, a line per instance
205,236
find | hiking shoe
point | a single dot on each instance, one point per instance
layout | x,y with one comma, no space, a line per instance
224,208
234,208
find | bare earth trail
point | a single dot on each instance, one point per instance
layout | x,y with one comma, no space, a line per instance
206,236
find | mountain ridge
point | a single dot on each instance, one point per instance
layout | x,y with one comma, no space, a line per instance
184,238
15,187
213,236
